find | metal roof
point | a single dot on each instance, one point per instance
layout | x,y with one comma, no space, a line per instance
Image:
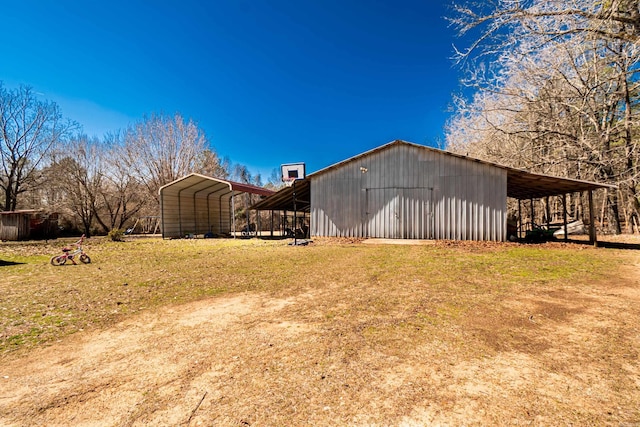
195,183
520,183
526,185
283,199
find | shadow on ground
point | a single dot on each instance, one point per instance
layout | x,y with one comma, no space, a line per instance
4,263
603,244
618,245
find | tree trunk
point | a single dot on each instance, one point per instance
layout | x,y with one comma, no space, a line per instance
615,213
7,199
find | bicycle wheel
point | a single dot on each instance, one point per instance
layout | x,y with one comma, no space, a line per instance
84,258
58,260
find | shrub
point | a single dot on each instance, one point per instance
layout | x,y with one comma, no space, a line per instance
116,235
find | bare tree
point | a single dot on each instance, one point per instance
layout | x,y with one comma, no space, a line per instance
122,196
160,149
211,165
275,180
93,188
77,170
561,98
547,21
108,183
29,128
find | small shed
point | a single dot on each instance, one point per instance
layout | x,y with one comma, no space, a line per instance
403,190
198,204
27,224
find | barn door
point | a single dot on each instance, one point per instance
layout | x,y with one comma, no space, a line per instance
383,214
399,213
416,213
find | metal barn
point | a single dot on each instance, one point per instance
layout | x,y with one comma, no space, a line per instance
406,191
402,190
198,204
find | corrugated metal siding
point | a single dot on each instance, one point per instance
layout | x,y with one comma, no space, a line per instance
198,213
413,193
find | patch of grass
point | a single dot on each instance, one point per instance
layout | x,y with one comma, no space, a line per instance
420,285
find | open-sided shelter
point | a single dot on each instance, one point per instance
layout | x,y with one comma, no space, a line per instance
198,204
403,190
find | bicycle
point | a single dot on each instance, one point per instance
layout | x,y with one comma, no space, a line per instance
69,254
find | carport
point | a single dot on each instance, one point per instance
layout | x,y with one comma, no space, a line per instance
522,185
294,200
201,205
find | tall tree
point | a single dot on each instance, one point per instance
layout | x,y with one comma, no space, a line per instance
241,174
78,170
29,128
160,149
560,94
497,22
122,196
211,165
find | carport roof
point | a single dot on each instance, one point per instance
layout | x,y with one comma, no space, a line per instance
195,183
526,185
283,199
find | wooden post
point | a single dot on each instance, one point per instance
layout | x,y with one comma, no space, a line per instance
592,226
564,217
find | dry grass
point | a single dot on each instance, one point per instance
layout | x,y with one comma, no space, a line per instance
339,333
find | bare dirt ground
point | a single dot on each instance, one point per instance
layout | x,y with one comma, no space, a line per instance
253,360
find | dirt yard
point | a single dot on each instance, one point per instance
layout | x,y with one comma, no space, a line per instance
352,349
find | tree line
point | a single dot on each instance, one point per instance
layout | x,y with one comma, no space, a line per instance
99,184
552,87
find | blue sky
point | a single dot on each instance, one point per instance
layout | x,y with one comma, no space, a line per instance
270,82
